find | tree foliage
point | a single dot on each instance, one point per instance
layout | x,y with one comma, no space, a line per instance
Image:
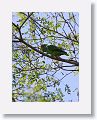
38,76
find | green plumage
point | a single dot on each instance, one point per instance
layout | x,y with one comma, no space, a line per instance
53,50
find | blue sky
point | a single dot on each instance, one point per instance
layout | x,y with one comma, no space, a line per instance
71,80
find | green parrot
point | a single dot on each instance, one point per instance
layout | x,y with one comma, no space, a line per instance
53,50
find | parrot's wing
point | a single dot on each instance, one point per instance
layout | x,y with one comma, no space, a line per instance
58,51
55,48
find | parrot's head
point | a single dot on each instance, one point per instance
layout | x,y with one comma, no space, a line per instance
44,47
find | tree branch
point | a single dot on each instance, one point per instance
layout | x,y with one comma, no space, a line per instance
52,30
30,46
59,59
25,20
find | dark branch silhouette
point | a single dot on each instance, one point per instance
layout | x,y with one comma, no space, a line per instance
44,54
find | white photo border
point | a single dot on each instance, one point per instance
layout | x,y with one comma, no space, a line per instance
84,104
